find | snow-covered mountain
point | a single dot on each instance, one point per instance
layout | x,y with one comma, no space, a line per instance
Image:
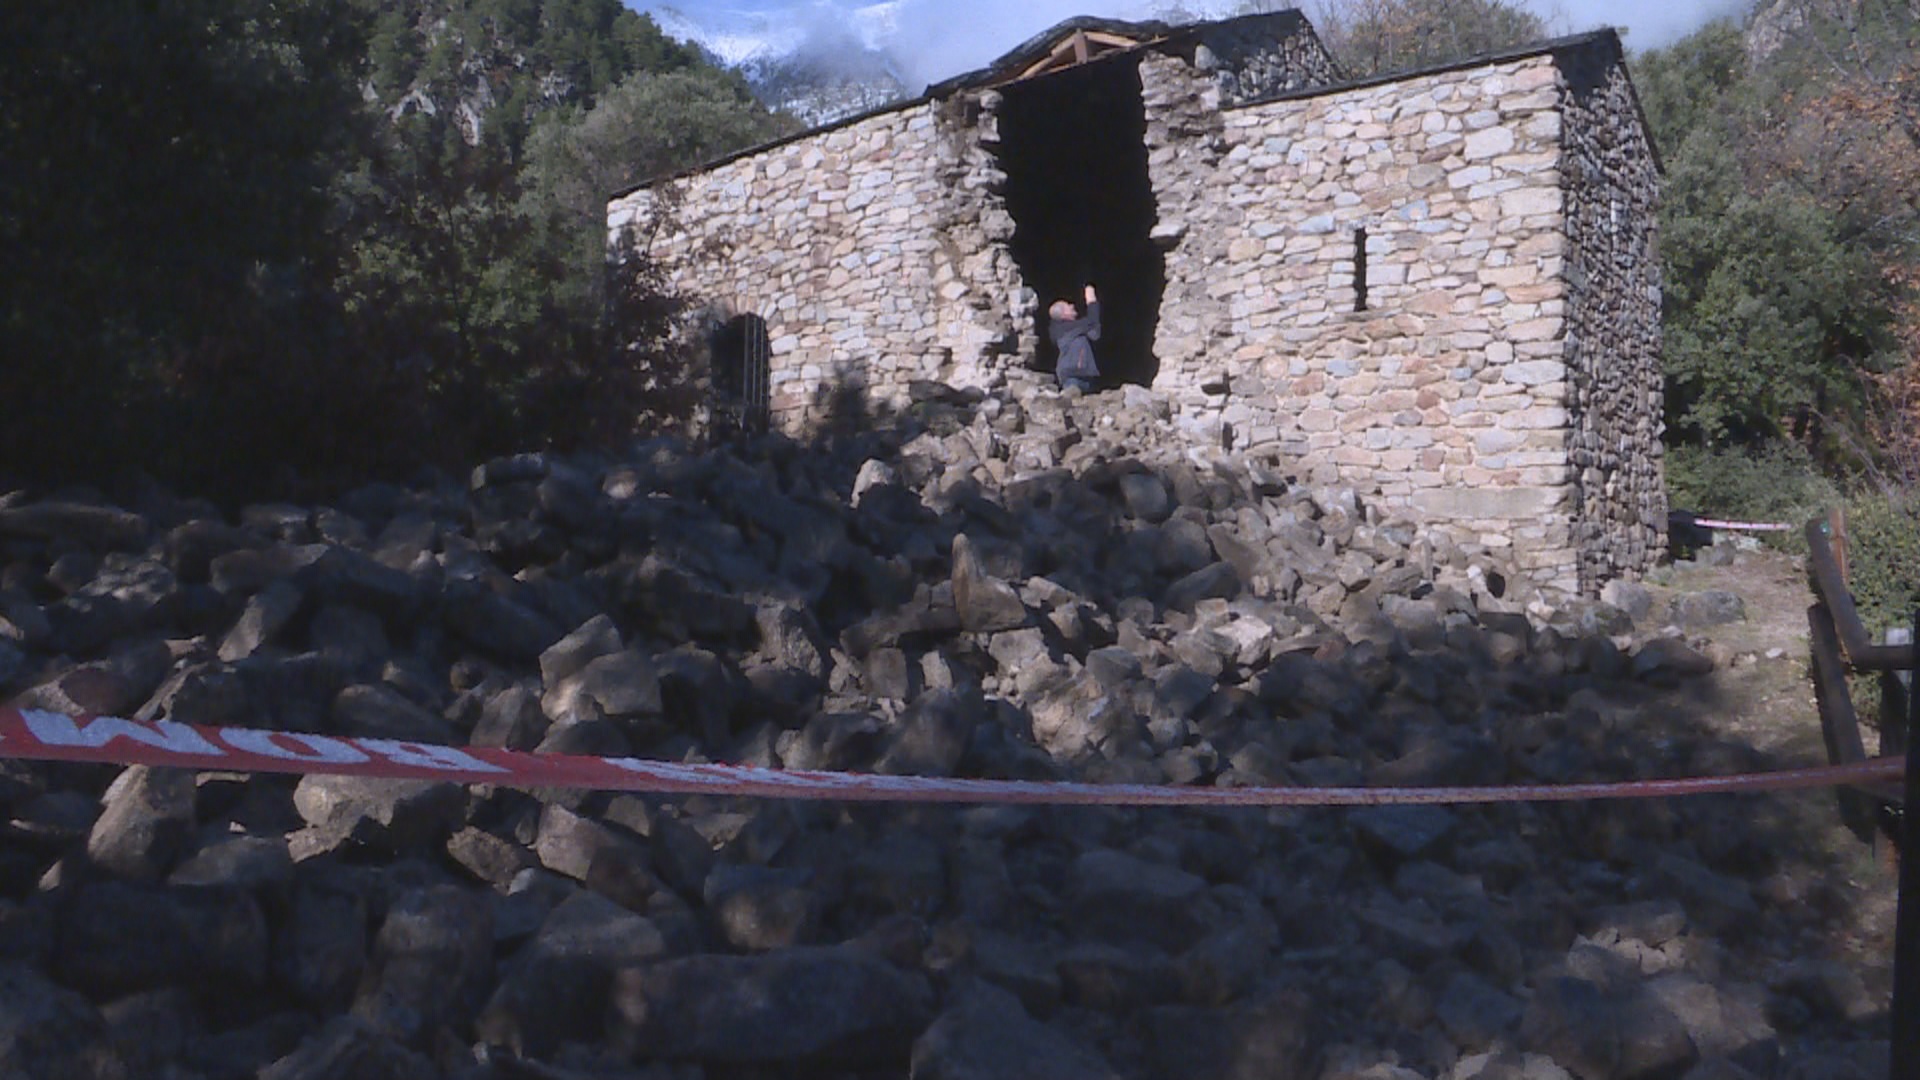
816,61
824,59
738,34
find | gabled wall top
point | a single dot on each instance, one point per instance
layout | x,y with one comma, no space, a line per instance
1105,38
1087,38
1115,35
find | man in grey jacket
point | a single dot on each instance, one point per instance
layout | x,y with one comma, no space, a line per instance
1074,337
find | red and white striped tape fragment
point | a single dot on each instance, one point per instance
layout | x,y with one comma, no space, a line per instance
48,736
1744,526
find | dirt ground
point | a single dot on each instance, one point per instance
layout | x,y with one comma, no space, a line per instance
1762,696
1762,692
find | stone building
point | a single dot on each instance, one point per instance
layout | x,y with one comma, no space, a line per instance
1439,287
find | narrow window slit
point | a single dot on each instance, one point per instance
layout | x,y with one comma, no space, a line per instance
1359,269
742,353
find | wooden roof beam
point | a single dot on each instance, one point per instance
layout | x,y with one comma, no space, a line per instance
1077,48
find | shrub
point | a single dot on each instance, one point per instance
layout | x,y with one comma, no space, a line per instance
1883,557
1777,482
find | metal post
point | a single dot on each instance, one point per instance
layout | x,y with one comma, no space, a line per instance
1904,1053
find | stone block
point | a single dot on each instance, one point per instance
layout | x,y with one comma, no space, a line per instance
1482,504
1488,142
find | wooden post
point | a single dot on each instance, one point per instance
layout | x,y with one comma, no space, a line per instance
1861,653
1837,529
1895,688
1904,1056
1839,724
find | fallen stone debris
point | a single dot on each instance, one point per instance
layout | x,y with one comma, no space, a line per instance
1043,590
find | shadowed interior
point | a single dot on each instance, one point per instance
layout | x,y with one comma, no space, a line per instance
1073,145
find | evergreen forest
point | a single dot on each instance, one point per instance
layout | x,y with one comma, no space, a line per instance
252,247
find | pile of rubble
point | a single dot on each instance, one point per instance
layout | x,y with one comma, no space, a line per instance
978,588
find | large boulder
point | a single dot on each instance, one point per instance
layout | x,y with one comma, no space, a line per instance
1120,897
1705,610
261,865
1274,1039
320,946
986,1035
48,1032
431,965
497,624
554,989
985,603
378,712
349,1048
377,813
931,738
839,1004
119,938
1600,1032
113,686
101,528
146,823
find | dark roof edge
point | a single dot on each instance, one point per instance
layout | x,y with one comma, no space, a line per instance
1605,35
965,81
1153,34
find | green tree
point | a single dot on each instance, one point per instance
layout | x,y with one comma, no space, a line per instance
649,126
1777,307
479,258
163,180
1368,37
238,237
1771,318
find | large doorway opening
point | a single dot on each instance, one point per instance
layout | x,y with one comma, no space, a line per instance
1073,145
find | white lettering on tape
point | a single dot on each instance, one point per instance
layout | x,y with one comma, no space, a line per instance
279,744
676,772
429,756
56,729
724,776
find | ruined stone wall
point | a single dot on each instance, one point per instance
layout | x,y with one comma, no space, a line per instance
1262,55
1448,395
1501,383
1613,324
874,251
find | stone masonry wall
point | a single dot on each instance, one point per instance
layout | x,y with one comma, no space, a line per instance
1448,394
1613,324
874,251
1263,55
1501,384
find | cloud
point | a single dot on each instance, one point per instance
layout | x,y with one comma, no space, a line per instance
848,42
937,39
1649,23
926,41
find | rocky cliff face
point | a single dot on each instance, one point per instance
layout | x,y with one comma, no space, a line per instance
976,587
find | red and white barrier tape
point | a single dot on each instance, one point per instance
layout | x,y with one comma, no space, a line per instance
47,736
1744,526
